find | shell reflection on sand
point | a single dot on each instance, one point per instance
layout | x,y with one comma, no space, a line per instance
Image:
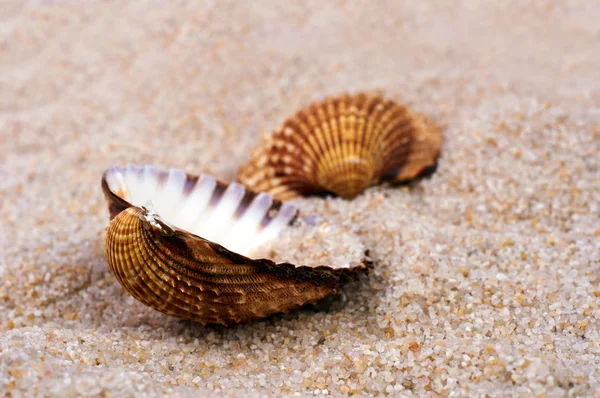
179,243
342,146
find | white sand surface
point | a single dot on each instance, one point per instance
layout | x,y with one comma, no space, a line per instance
486,277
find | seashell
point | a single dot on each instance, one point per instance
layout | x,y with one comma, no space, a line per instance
342,146
166,255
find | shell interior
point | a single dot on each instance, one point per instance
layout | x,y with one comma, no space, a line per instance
202,206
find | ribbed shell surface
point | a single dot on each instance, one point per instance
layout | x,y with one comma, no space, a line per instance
343,145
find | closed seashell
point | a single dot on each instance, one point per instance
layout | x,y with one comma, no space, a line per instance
342,146
178,243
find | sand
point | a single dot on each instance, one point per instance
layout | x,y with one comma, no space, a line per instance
486,277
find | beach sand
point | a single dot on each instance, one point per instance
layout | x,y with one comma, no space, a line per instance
486,277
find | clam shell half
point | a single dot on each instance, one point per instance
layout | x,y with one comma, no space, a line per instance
342,146
161,246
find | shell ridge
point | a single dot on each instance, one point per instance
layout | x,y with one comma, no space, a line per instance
164,300
264,265
345,144
209,269
131,280
168,300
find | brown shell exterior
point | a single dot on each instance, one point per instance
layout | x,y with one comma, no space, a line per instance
342,146
184,275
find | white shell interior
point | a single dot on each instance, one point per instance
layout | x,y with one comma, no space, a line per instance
193,210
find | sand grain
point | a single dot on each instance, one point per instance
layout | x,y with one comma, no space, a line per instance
487,275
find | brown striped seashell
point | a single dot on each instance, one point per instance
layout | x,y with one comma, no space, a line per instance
166,255
342,146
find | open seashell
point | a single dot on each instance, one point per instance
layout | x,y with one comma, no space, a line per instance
342,146
161,245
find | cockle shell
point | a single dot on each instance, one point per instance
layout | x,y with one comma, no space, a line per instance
342,146
166,255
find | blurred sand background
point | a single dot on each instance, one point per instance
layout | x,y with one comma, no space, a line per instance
487,275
